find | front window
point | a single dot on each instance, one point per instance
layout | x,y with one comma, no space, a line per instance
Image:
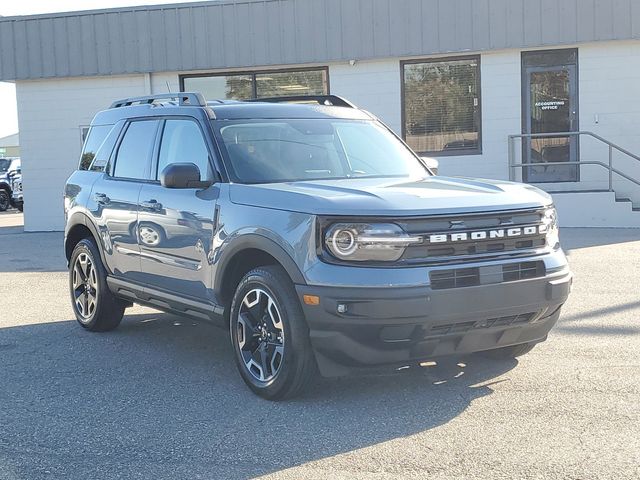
441,106
252,85
266,151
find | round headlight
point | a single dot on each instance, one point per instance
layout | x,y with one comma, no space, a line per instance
361,242
343,242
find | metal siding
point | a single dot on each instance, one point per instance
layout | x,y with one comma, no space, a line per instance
622,18
550,21
515,22
604,20
102,45
586,20
446,20
253,33
568,21
20,42
74,46
431,27
143,45
532,23
635,19
498,22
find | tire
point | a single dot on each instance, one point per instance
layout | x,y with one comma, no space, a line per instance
20,207
513,351
269,335
5,200
95,307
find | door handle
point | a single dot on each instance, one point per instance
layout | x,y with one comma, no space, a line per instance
153,205
101,198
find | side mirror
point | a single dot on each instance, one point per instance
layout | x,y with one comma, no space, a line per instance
432,163
182,175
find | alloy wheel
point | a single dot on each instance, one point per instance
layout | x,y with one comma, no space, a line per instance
260,335
85,286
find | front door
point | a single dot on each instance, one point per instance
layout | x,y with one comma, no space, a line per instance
550,105
176,226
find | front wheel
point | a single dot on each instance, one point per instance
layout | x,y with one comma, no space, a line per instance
95,307
270,336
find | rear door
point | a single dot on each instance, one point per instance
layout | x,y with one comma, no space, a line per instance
176,226
115,195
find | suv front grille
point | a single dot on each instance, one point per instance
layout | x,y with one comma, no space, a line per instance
470,277
479,225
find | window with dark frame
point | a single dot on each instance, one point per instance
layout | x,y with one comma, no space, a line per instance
441,106
258,84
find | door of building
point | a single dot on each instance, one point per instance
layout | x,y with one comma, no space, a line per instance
550,105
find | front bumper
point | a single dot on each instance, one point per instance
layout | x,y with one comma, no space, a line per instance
401,325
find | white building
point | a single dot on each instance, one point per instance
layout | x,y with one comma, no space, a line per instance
454,77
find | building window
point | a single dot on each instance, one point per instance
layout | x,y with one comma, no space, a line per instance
251,85
441,106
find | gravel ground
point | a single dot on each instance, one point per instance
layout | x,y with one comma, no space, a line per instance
160,397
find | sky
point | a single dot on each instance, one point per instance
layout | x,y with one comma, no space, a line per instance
8,111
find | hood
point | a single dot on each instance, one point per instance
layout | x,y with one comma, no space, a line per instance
391,197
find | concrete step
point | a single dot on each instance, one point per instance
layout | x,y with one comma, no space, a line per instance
595,209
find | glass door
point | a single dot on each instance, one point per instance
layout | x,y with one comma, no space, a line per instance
550,106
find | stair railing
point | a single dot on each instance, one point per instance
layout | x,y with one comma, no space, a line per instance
608,166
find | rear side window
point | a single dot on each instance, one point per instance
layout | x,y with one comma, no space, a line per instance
134,154
182,142
95,138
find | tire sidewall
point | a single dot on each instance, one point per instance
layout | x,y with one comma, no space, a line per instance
5,200
87,246
294,339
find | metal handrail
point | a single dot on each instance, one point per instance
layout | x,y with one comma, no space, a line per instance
612,146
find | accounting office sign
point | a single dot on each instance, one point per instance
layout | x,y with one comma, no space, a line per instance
550,105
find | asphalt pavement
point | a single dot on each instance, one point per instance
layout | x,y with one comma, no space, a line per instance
160,398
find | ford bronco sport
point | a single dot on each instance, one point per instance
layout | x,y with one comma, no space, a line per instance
311,232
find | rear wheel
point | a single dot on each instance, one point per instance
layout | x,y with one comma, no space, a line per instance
5,200
510,352
95,307
269,335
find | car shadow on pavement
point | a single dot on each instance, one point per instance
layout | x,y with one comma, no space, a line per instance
160,398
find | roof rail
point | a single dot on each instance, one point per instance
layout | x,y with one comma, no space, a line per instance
329,100
184,99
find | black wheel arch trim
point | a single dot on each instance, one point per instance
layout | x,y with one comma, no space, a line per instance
257,242
80,218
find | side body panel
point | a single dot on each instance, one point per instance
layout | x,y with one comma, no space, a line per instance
175,232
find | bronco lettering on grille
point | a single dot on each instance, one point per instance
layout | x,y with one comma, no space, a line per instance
488,234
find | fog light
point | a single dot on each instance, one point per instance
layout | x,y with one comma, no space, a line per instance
342,308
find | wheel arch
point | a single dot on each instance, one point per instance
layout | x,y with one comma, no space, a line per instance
246,253
79,227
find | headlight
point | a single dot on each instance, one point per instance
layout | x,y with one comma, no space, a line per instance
550,224
361,242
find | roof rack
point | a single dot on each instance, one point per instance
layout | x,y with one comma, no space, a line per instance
184,99
328,100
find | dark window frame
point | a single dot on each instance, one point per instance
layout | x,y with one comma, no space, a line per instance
113,160
457,153
253,74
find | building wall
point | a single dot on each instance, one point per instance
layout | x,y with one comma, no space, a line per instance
52,112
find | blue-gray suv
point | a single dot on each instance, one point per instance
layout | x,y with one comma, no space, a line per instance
310,232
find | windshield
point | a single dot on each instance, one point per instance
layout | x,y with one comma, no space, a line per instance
266,151
4,165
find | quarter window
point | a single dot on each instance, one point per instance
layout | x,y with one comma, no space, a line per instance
134,153
245,86
441,106
182,142
93,141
